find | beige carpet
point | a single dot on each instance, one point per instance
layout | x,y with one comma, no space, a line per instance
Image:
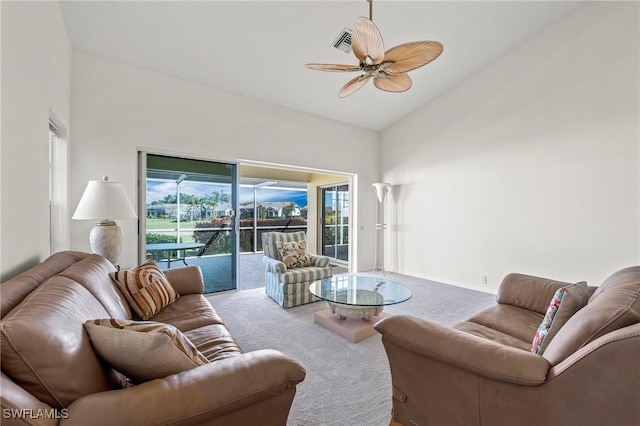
347,384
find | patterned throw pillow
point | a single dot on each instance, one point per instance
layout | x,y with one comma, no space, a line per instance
143,350
565,302
294,254
146,288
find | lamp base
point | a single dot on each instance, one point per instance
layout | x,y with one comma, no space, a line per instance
106,240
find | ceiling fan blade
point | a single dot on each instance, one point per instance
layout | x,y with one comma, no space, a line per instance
393,82
333,67
367,41
353,85
409,56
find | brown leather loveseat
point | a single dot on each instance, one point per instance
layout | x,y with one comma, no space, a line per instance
52,375
483,371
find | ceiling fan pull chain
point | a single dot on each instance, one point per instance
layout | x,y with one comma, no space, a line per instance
370,10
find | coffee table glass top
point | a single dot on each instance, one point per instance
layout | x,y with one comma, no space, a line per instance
358,290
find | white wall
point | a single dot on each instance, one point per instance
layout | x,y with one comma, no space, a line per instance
117,108
36,68
531,165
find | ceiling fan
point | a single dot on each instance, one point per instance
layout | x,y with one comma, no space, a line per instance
388,69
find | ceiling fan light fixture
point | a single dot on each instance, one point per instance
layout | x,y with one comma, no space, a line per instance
388,69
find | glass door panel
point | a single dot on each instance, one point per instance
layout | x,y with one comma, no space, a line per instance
335,222
190,217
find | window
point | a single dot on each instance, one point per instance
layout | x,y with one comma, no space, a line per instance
58,225
270,206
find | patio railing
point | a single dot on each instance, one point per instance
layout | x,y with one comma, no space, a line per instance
217,240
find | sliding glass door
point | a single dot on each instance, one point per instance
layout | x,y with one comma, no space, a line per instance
190,216
335,221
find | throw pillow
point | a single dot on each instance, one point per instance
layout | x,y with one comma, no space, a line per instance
294,254
143,350
565,302
146,288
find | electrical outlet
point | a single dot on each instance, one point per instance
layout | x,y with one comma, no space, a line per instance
484,280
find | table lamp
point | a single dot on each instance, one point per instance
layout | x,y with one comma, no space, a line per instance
105,201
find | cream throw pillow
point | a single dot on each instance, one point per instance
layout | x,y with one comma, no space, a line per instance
143,350
146,288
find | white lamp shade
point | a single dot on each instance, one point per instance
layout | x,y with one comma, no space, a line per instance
381,190
104,200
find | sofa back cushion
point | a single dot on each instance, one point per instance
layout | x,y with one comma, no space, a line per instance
44,347
17,288
615,304
528,292
93,273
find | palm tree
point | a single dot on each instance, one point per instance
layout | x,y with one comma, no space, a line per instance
261,212
216,198
287,211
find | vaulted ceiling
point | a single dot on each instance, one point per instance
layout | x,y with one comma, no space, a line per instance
259,48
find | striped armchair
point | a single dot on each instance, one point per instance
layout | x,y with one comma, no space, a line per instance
290,287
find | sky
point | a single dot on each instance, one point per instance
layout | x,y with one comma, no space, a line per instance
157,190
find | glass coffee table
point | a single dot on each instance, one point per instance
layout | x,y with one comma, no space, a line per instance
354,301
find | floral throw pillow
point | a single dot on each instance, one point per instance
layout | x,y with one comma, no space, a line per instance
565,302
294,254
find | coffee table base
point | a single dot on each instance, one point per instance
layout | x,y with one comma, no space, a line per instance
353,329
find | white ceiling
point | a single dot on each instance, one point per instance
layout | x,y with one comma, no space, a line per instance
259,48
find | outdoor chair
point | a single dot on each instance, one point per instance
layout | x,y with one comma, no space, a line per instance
290,268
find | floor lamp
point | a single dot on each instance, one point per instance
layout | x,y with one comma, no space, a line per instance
381,226
105,201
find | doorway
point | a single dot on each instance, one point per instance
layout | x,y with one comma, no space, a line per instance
190,216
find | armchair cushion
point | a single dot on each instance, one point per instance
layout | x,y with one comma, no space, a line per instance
125,345
304,275
565,302
294,253
270,239
146,288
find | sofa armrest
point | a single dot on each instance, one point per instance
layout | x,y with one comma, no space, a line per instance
274,265
463,350
186,280
194,396
528,292
320,261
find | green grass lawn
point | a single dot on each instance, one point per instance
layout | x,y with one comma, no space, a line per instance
156,223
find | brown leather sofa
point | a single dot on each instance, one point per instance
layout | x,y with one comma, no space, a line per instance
482,371
52,375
